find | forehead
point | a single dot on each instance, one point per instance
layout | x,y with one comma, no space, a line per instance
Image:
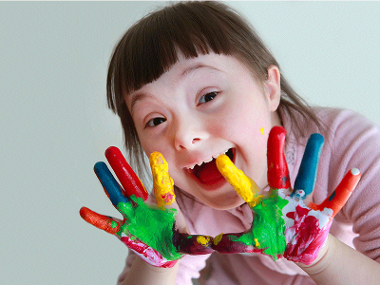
183,70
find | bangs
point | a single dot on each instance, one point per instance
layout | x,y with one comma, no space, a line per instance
151,46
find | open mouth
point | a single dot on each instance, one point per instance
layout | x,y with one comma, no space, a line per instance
208,173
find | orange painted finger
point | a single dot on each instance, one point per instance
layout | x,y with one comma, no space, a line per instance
127,177
162,183
339,197
105,223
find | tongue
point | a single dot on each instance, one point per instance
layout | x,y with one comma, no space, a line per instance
208,173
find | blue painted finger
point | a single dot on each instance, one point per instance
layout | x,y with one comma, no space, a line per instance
111,186
307,174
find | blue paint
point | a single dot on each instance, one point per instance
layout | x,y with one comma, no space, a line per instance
307,173
332,196
109,183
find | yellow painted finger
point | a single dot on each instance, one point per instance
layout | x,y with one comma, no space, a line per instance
243,185
162,182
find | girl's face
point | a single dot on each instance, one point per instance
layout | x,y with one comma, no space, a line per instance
203,107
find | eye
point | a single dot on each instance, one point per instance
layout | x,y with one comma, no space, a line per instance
208,97
155,122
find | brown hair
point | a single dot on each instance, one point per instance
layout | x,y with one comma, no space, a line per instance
150,47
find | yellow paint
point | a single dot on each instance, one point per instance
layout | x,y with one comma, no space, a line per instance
243,185
203,240
162,182
218,238
262,131
257,244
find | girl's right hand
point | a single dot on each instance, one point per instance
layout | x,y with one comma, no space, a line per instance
154,232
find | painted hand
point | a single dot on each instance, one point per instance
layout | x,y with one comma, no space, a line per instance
283,225
151,231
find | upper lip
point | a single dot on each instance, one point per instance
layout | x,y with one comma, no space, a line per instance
206,160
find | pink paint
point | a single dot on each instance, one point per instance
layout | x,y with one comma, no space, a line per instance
305,238
147,253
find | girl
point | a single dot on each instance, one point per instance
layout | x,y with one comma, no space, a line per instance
192,81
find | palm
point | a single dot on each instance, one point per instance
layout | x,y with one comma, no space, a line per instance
283,225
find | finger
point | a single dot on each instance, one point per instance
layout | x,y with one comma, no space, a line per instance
307,173
278,173
243,185
162,182
105,223
342,192
127,177
110,185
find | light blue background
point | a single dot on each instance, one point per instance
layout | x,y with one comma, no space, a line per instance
55,124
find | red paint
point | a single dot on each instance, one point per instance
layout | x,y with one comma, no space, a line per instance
150,255
308,238
278,173
100,221
229,245
127,177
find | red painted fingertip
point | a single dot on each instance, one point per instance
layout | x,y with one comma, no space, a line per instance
127,177
278,173
100,221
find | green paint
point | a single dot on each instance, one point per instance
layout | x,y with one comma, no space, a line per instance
114,224
151,225
268,226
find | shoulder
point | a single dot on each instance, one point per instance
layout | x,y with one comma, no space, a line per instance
349,135
340,121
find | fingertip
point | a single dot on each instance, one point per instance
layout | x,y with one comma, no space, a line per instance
83,212
355,171
156,158
277,131
222,161
317,138
112,151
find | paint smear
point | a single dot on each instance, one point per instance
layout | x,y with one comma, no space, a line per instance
150,225
163,183
268,229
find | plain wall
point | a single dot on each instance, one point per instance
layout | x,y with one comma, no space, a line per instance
55,123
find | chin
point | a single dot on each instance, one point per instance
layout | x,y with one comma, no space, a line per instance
224,202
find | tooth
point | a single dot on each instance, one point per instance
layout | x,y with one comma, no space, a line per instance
210,159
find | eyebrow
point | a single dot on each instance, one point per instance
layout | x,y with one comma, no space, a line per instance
136,98
192,69
188,71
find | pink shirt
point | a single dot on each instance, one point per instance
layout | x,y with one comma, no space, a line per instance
352,141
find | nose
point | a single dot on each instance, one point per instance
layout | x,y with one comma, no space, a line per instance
189,134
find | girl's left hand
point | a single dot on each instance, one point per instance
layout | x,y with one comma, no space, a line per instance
283,225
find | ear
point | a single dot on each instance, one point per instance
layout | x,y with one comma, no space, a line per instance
273,87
